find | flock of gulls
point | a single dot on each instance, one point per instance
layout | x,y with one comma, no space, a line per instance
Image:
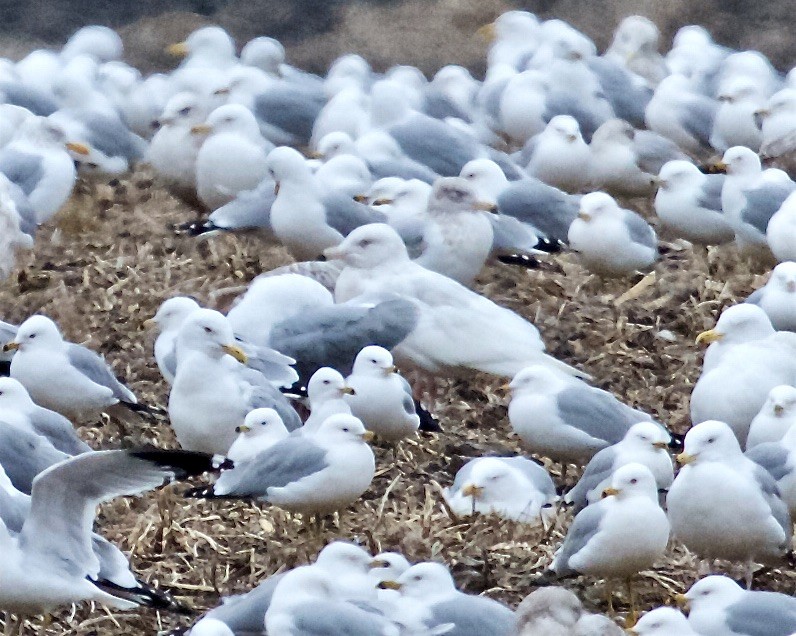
393,192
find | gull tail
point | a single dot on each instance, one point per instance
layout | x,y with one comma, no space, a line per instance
183,463
522,260
428,423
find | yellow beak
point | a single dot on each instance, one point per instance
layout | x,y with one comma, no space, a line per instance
236,352
314,154
276,188
571,138
379,563
201,129
150,322
720,166
368,436
78,149
681,600
179,49
487,32
486,207
242,429
390,585
390,370
779,409
382,202
583,216
662,445
709,336
684,459
610,492
471,490
333,253
348,390
361,198
11,346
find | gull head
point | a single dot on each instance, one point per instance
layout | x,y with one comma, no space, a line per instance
632,480
740,160
260,421
647,434
13,394
209,331
342,556
425,581
454,194
327,384
173,312
715,592
709,441
784,277
662,621
374,361
36,331
595,205
344,427
536,379
565,128
369,246
737,324
677,174
781,401
492,480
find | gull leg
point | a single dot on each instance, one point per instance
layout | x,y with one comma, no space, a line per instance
8,628
632,617
46,621
749,573
609,597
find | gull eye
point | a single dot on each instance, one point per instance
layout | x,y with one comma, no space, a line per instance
32,336
634,481
711,440
345,429
327,382
207,329
364,243
185,111
375,361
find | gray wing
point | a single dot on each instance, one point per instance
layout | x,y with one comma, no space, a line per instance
64,501
94,367
245,614
653,150
329,618
13,511
640,231
58,430
585,525
113,565
290,108
597,470
474,616
544,207
779,510
534,471
287,461
762,614
333,336
772,456
562,101
24,454
763,201
595,412
27,215
170,360
506,163
262,394
697,118
345,215
408,401
709,196
248,211
437,105
36,101
756,297
405,168
412,230
275,367
436,145
628,99
110,136
23,169
510,235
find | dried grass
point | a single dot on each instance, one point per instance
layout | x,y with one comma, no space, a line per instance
112,258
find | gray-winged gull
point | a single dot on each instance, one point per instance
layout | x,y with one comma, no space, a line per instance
689,202
735,123
781,231
325,392
778,297
213,391
317,474
715,473
381,397
635,45
615,166
509,487
778,458
610,240
776,417
63,376
663,621
566,419
261,429
644,443
737,324
558,156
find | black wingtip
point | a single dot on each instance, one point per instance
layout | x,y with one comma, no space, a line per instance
183,463
428,423
551,246
677,442
196,228
138,407
147,596
200,492
522,260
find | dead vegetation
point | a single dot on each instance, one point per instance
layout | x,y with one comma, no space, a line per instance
113,257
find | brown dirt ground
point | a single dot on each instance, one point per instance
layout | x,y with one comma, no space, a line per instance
112,257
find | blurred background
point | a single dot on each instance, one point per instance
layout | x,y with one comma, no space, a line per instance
424,33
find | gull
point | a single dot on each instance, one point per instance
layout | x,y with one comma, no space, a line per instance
51,562
325,392
718,605
380,396
232,159
306,601
701,501
610,240
261,429
663,621
564,418
778,130
778,297
615,165
635,45
734,389
213,391
781,230
305,217
689,202
449,314
778,458
776,417
558,156
737,324
18,409
431,588
618,536
315,474
644,443
62,376
735,123
350,566
509,487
